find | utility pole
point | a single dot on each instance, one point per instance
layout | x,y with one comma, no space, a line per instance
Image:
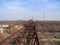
43,16
43,23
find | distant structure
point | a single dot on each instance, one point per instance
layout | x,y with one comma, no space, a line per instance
4,25
2,28
1,31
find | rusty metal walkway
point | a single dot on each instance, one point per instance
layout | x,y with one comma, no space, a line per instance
25,36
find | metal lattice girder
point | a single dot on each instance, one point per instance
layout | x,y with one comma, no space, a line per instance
32,32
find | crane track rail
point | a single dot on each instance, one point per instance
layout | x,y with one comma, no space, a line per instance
13,38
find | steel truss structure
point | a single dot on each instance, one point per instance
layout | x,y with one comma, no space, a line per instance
25,36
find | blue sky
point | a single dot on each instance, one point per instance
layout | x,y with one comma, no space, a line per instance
27,9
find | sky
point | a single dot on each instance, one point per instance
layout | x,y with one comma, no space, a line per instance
28,9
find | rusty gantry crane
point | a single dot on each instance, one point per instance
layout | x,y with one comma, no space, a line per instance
25,36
